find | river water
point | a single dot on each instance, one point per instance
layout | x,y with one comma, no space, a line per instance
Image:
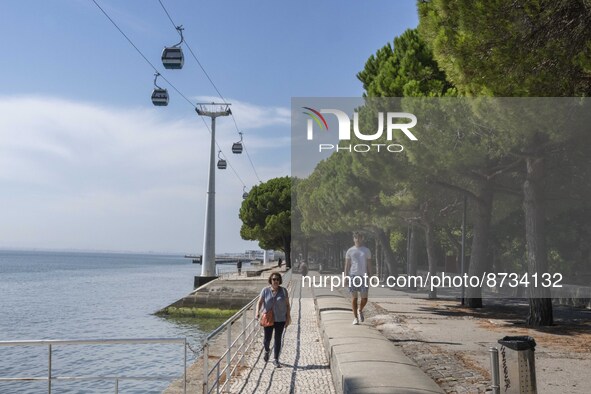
59,295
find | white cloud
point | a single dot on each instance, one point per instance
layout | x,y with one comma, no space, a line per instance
77,175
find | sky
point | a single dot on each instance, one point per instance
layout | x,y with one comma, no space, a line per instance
88,163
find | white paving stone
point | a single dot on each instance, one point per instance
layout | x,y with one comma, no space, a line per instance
305,368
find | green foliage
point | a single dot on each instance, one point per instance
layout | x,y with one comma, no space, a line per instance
518,48
398,242
347,192
333,199
406,69
266,214
508,241
478,146
569,243
536,48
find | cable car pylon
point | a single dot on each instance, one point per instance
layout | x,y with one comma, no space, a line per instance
211,110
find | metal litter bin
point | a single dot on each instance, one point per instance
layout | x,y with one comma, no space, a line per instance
517,365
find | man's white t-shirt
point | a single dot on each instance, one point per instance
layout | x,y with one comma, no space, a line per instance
359,257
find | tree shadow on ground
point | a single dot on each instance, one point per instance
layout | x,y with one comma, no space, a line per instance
512,313
396,340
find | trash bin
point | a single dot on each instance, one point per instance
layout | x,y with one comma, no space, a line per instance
518,365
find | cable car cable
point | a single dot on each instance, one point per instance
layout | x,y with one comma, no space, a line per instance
165,79
141,54
193,54
214,86
251,163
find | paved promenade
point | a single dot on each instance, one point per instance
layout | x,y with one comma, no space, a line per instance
410,344
451,343
304,368
362,360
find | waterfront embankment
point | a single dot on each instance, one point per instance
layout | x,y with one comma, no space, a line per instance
229,292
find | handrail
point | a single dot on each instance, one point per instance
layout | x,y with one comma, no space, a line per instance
112,341
222,272
247,337
230,320
63,342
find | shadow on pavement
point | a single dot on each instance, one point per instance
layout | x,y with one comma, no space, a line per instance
513,312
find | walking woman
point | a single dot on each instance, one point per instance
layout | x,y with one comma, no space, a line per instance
274,298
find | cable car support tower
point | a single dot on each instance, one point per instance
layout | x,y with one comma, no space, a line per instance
212,110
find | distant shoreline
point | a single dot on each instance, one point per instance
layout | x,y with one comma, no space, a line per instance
88,251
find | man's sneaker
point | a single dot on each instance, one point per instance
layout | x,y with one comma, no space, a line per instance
277,364
361,317
266,356
355,322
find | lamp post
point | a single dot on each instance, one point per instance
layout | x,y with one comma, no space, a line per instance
212,110
462,265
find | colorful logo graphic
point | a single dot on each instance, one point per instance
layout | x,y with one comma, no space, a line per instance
317,117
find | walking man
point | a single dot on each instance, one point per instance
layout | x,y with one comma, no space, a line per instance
358,269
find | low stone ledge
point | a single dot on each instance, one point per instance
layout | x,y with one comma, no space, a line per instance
362,360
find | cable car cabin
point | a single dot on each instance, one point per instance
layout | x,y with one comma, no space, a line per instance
160,97
172,58
244,195
222,164
237,147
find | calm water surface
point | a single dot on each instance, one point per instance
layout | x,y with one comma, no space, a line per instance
52,295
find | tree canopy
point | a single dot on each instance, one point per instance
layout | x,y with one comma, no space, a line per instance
266,215
522,163
523,48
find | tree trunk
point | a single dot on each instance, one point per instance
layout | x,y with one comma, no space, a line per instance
479,251
413,253
390,259
287,249
431,256
540,303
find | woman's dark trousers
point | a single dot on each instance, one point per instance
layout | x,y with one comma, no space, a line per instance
278,327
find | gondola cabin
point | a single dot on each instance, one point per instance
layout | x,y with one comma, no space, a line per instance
237,147
159,97
222,164
172,58
244,195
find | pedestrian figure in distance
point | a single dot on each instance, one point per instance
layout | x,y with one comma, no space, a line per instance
279,263
303,268
239,266
358,265
276,299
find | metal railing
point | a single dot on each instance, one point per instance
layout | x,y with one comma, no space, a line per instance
222,371
116,379
247,335
225,272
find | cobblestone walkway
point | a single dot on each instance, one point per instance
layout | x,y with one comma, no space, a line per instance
305,368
